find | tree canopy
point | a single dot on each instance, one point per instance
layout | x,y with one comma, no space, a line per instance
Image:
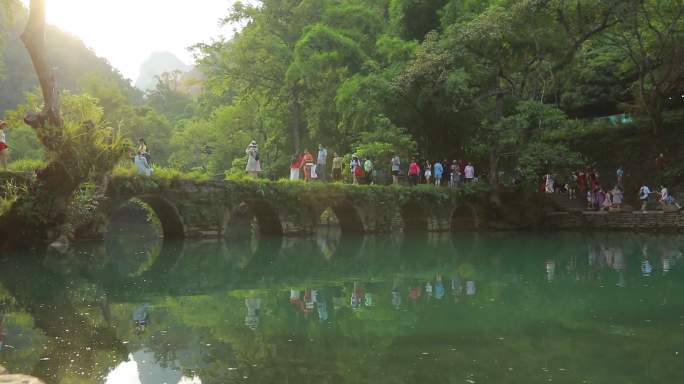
507,84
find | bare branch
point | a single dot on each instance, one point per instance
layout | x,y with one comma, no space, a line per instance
34,40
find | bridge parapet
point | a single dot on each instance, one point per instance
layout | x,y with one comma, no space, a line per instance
189,208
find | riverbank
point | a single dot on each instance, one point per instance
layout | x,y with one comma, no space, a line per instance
627,221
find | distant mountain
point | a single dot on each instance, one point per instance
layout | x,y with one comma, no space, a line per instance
156,65
69,56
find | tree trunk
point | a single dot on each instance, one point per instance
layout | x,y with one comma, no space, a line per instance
296,120
39,213
494,153
498,116
34,40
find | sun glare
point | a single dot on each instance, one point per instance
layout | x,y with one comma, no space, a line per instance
126,32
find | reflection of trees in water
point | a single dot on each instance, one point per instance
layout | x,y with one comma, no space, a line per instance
199,294
21,344
77,341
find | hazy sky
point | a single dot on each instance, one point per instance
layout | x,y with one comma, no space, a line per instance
126,32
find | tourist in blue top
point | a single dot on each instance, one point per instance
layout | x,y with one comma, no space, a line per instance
620,173
439,171
439,287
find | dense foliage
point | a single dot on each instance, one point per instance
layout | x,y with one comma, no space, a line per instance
501,82
511,85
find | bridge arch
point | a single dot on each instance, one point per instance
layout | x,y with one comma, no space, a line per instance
172,226
465,217
256,215
415,217
345,214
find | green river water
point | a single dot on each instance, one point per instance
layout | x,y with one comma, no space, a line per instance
449,308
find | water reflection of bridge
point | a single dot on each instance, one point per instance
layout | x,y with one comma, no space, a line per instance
77,296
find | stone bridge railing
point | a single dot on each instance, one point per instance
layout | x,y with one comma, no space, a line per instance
197,209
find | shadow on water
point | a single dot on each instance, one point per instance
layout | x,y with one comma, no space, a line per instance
485,307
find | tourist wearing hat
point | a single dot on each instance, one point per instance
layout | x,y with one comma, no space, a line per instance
3,146
253,165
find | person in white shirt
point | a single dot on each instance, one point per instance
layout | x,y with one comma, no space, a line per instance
396,168
644,194
549,183
666,199
3,146
321,161
469,173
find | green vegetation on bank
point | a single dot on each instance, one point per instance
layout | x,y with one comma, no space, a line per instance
506,84
518,87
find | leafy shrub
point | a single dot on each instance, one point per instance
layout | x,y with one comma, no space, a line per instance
26,165
9,193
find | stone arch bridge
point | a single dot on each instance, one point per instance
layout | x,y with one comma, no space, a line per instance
208,209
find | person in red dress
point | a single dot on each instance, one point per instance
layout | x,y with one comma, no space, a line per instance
582,182
3,146
308,161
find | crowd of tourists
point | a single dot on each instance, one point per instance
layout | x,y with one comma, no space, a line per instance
585,183
307,167
604,196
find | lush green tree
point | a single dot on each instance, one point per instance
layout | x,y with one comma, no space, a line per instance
650,35
78,147
170,97
413,19
448,78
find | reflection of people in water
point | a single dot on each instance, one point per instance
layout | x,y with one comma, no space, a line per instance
310,299
414,293
428,289
666,264
594,255
618,261
295,297
253,307
338,301
669,258
322,311
646,268
550,267
471,289
141,317
396,298
305,305
369,300
2,333
439,287
357,296
456,288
